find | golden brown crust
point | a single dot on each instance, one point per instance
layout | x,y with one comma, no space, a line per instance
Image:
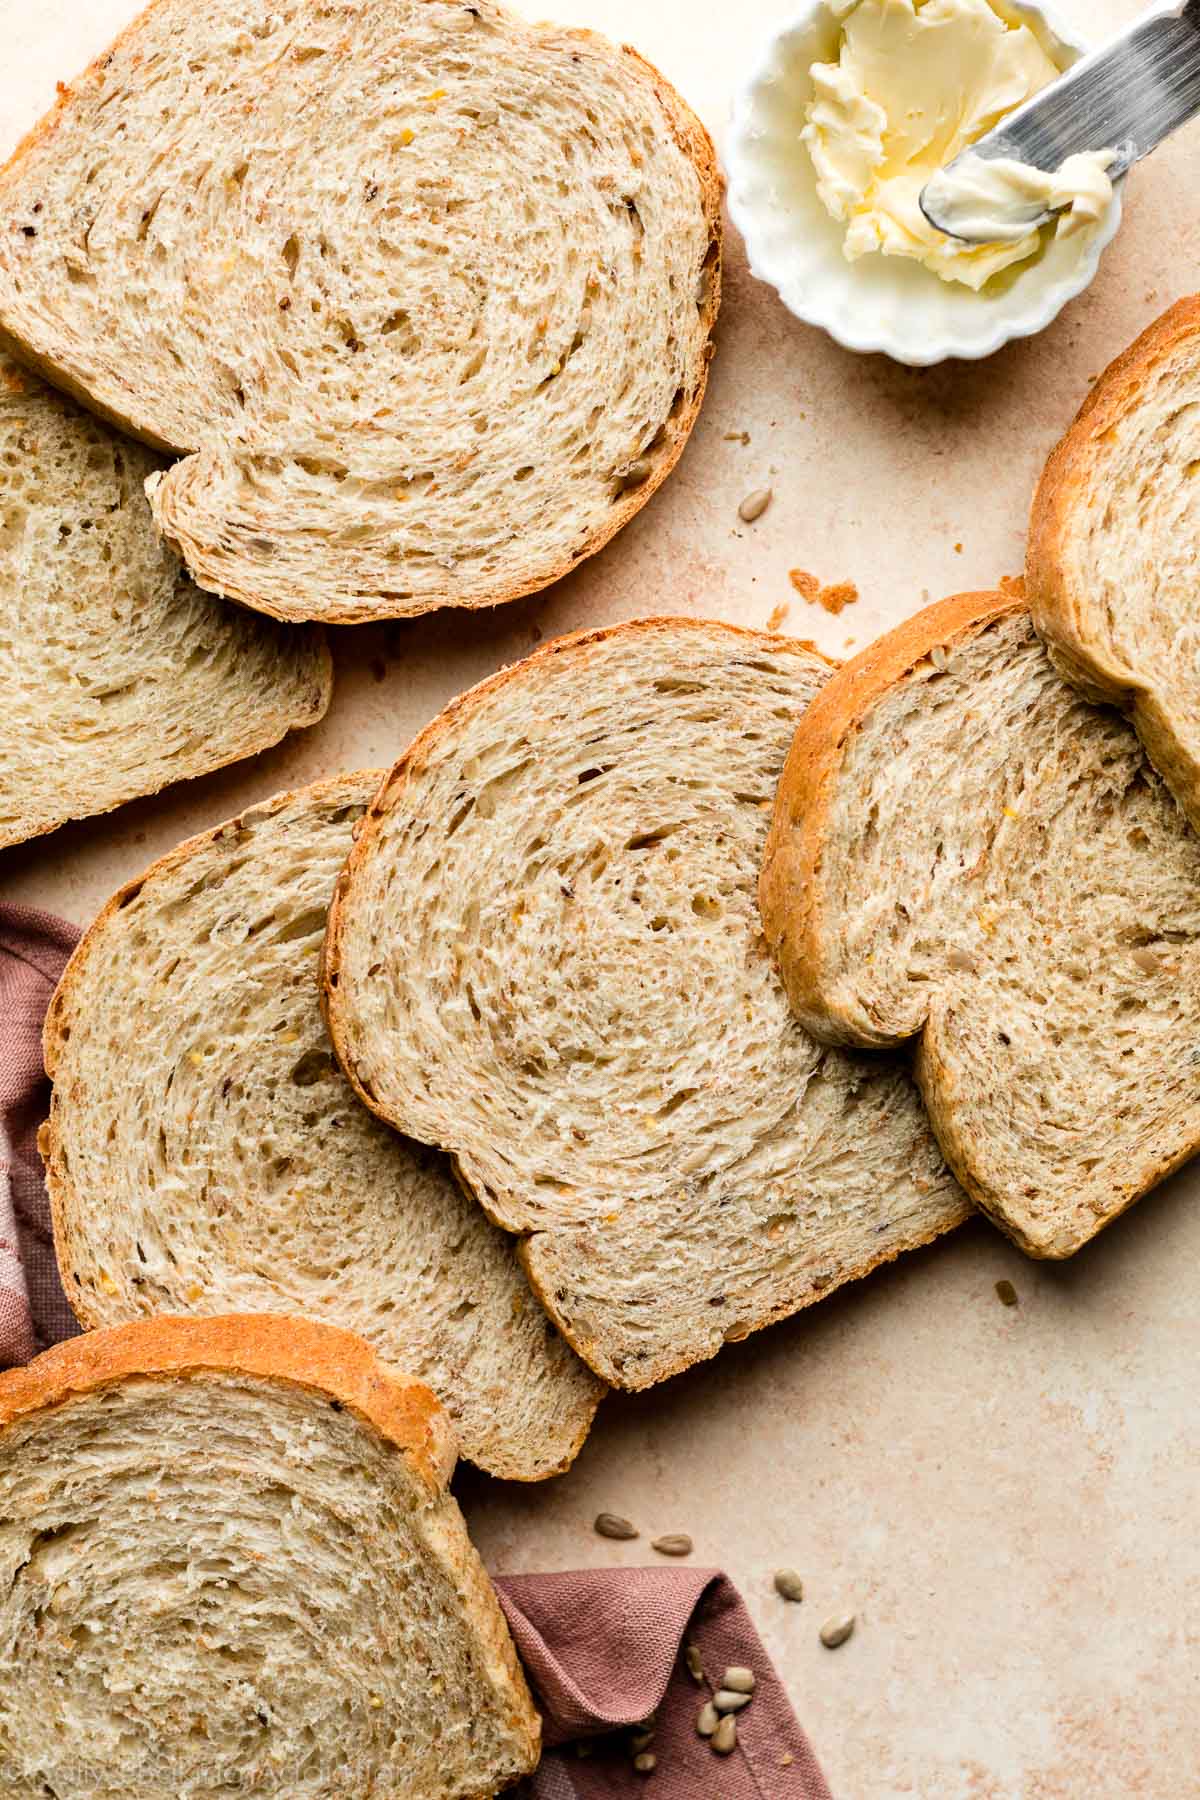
393,783
692,138
1060,610
791,890
389,793
322,694
62,1004
787,1309
792,897
1056,608
936,1082
320,1358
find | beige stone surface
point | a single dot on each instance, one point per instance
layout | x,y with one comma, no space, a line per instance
1005,1495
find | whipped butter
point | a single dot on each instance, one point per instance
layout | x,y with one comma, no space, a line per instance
916,83
995,199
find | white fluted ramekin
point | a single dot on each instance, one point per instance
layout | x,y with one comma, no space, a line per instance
879,303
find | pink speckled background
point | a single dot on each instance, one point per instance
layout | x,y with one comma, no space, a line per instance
1006,1496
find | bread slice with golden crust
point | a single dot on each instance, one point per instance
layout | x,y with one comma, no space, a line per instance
544,954
423,294
1114,544
117,675
205,1154
229,1562
966,852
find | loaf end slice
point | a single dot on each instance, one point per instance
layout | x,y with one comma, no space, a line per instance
239,1527
1114,541
544,955
205,1155
424,295
966,852
117,675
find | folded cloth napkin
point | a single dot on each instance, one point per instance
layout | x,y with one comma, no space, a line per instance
603,1648
34,948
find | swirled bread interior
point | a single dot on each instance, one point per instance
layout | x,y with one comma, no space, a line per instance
214,1581
426,292
117,675
1114,541
966,849
545,955
205,1154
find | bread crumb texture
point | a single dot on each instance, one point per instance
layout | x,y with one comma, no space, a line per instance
205,1154
1113,540
546,956
834,598
117,675
1000,870
422,293
218,1579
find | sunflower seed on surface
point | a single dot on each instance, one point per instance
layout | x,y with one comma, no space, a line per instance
724,1738
726,1700
788,1584
1007,1294
707,1719
742,1681
691,1657
646,1763
612,1525
835,1631
676,1543
754,505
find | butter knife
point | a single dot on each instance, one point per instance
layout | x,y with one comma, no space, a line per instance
1126,97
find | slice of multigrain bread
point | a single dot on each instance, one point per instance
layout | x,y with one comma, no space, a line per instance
966,851
545,955
117,675
1114,546
423,293
229,1564
204,1153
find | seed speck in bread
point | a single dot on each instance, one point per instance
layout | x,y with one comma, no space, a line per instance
229,1564
117,675
967,852
1114,544
545,955
205,1154
422,294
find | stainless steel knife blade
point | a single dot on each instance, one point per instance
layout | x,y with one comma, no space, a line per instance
1126,97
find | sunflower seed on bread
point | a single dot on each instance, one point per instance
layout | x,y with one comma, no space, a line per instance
118,676
988,807
422,294
204,1153
228,1545
569,990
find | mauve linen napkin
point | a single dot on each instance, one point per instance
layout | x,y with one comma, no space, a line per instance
602,1647
34,947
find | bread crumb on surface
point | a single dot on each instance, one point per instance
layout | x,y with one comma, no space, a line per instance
833,598
778,615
